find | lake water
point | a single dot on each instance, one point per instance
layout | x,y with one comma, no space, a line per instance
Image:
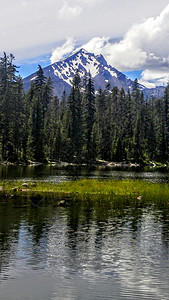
55,174
82,252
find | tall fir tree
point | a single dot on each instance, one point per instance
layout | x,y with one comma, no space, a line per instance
89,115
10,105
73,122
36,131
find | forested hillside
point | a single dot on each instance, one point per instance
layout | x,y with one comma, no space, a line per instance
84,126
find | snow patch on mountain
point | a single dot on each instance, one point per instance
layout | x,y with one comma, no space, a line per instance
82,60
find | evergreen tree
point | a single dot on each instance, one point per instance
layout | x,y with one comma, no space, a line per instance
40,79
62,106
73,122
166,122
36,131
10,95
113,125
17,121
102,125
135,101
52,131
128,127
89,114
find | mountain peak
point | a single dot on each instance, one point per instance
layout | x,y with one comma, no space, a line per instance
62,73
80,54
83,51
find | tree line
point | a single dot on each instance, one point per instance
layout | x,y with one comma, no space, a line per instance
82,127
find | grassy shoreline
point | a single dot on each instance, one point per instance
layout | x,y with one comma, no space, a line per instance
121,192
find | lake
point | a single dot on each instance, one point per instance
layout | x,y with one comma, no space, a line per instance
56,174
82,252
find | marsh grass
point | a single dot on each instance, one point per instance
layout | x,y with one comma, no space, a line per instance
118,192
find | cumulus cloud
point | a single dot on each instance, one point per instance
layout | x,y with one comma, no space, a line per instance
121,55
96,44
29,26
67,11
62,51
144,46
155,76
149,39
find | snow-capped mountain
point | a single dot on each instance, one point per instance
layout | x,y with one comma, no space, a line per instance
62,73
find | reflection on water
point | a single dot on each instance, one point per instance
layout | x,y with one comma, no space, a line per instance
55,174
83,252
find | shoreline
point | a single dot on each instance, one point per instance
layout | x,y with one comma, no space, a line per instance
96,164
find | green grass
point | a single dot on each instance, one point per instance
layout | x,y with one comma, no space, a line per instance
125,192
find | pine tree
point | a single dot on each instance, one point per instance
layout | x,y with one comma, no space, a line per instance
118,143
47,95
89,114
17,120
36,131
73,122
52,131
128,127
62,106
102,125
135,100
166,122
40,79
9,100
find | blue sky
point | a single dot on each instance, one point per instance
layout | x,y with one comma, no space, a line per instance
132,35
30,66
133,74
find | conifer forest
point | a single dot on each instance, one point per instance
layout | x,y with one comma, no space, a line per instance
82,127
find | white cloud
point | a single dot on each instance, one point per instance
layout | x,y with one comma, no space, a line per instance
147,84
67,11
32,28
96,44
144,46
24,3
27,25
121,55
63,50
152,77
90,2
41,24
